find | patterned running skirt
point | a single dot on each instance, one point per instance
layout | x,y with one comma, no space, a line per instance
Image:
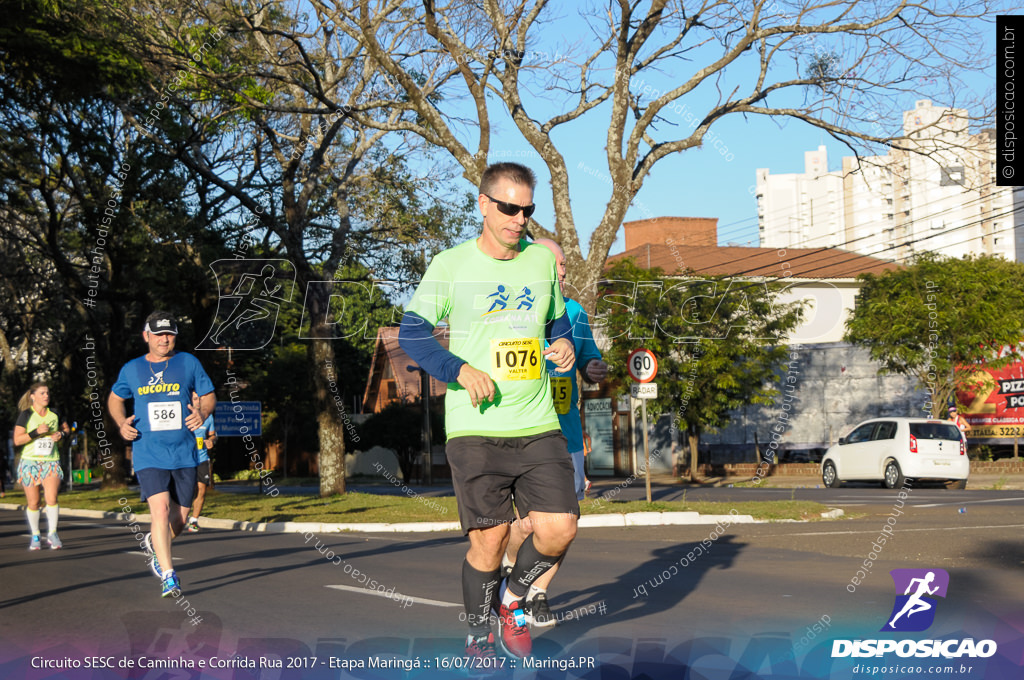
33,472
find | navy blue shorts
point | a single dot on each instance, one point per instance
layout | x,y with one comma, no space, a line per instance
180,483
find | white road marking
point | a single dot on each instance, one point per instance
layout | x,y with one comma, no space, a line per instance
139,552
397,596
991,500
901,530
91,524
963,500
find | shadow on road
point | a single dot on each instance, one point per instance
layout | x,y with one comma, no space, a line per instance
345,546
658,583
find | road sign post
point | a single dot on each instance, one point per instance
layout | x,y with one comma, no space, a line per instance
643,367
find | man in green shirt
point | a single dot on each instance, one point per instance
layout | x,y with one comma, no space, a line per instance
501,299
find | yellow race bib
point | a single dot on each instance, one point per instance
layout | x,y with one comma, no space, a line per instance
561,393
516,359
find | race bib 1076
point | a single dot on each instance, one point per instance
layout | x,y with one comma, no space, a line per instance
516,359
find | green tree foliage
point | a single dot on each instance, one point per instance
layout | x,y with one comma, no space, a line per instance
171,131
278,374
940,318
96,229
719,342
362,305
69,48
269,95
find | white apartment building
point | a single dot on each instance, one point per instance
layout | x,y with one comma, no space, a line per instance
903,203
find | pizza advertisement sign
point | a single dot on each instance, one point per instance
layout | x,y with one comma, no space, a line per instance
993,402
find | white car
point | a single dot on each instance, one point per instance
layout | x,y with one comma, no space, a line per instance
891,450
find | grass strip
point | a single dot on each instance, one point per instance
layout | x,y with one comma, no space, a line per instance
366,507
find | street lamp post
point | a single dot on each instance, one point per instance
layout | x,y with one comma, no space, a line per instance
425,401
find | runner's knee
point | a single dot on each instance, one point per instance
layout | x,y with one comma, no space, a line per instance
554,533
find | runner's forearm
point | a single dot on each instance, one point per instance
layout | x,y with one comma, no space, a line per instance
416,338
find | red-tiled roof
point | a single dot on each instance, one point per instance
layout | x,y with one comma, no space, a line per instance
803,263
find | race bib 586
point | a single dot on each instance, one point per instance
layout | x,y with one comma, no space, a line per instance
165,415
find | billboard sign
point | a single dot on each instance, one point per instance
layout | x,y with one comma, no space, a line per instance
993,402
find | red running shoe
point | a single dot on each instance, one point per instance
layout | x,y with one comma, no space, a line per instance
480,650
515,634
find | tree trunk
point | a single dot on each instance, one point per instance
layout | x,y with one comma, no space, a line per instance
332,429
694,440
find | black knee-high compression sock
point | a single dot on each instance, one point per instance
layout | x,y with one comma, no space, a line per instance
530,564
479,589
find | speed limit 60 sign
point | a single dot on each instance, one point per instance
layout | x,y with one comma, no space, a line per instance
642,365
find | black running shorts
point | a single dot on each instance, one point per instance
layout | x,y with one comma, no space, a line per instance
486,471
203,473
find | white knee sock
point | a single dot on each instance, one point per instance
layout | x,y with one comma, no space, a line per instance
51,518
33,521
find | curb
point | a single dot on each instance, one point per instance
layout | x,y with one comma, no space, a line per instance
632,519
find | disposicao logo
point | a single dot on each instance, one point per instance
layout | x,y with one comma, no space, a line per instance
914,611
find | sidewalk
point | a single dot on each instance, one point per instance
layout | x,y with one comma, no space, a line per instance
1004,482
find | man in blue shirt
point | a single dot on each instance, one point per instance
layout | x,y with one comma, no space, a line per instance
161,383
565,392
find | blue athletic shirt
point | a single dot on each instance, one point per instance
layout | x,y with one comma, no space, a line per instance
567,400
162,393
201,433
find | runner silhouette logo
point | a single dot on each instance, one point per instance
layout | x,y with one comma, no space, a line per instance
916,590
251,295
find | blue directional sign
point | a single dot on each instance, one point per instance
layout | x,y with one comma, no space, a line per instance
236,419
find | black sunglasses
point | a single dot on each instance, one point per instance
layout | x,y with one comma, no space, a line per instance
511,209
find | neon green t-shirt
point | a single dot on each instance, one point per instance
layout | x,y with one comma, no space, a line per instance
497,311
43,449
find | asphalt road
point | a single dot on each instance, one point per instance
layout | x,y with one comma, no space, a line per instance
761,600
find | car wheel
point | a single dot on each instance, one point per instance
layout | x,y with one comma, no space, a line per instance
893,475
829,476
957,484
